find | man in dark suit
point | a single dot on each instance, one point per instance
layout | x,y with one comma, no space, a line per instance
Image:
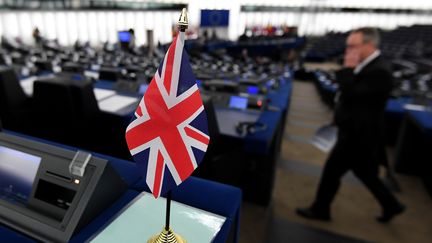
365,83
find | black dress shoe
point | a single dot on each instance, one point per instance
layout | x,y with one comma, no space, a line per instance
309,213
390,214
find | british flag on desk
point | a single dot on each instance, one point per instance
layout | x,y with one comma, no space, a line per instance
169,135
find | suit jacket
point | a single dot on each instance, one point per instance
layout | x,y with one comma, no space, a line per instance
363,98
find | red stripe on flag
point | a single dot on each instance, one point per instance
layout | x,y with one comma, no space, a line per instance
169,66
187,107
178,153
158,175
142,134
150,129
139,111
197,136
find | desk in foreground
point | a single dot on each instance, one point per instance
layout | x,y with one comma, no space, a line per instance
203,194
145,216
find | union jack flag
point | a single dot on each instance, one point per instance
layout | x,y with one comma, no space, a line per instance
168,136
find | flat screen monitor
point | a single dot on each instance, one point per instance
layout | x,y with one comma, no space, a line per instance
252,89
124,36
17,174
270,83
238,102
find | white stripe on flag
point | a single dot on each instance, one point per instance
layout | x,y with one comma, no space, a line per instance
187,139
176,66
138,121
152,162
170,165
162,89
185,95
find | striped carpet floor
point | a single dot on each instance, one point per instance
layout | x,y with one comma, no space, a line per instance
354,209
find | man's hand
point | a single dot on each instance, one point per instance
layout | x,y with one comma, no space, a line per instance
352,59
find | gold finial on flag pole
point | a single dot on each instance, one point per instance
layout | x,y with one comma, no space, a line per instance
183,20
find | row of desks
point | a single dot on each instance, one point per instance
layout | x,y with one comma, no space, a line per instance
258,150
249,160
227,118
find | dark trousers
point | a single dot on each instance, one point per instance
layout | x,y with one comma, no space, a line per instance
355,151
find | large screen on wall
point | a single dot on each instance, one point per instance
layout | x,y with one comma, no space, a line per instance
124,36
214,18
17,174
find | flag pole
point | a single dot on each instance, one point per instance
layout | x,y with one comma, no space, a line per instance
167,235
182,24
168,211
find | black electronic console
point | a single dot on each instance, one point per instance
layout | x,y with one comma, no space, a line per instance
242,101
50,193
218,85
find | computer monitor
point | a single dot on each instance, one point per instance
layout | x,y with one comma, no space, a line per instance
238,102
17,174
270,83
124,36
252,89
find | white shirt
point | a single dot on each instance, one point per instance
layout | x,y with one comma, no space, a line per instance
366,61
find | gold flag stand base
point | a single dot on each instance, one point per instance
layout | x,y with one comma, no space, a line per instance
166,236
